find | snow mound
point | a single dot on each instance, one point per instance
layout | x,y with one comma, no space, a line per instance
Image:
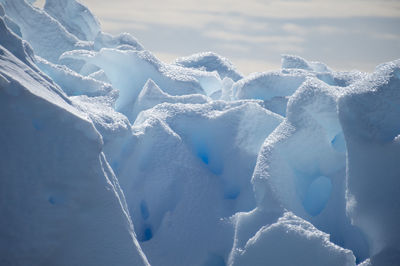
369,113
273,87
291,241
75,17
73,83
129,70
50,216
9,22
122,41
46,35
297,62
209,61
151,95
205,155
302,165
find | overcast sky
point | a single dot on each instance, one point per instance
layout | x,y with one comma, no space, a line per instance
345,34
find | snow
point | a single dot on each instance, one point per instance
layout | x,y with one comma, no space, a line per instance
112,157
46,201
129,70
291,241
75,17
369,114
46,35
210,62
73,83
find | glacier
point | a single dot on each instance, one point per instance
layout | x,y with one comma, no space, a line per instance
112,157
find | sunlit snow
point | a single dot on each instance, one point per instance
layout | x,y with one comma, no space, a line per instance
110,156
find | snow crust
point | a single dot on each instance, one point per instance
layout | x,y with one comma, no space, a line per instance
75,17
112,157
46,201
210,62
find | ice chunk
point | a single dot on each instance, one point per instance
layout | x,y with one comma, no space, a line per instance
297,62
267,85
151,95
303,163
291,241
209,61
205,155
100,76
46,35
106,120
75,17
15,45
129,70
62,200
370,116
122,41
271,87
9,22
71,82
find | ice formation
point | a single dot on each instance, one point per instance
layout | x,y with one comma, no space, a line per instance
112,157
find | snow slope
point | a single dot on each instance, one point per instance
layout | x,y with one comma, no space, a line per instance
50,158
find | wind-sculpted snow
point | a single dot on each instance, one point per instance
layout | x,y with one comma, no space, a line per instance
302,165
291,241
75,17
46,35
50,158
204,154
273,87
297,166
210,61
18,47
73,83
9,22
151,95
370,116
129,70
297,62
123,41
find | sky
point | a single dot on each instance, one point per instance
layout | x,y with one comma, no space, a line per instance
252,34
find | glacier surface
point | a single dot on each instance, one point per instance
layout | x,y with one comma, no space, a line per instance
112,157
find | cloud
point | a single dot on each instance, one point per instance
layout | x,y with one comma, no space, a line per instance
337,32
243,38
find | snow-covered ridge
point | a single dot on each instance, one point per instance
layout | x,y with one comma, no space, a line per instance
110,156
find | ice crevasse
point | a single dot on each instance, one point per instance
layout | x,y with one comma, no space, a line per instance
112,157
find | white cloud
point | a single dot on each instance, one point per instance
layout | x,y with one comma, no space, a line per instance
262,38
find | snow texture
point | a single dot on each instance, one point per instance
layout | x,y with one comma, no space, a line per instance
75,17
291,241
46,202
210,62
129,70
110,156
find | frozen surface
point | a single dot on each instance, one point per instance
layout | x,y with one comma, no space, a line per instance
46,202
46,35
291,241
128,71
110,156
73,83
75,17
369,113
302,165
202,176
210,61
